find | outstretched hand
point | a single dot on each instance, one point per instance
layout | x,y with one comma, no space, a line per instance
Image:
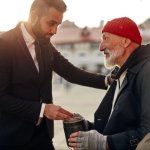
55,112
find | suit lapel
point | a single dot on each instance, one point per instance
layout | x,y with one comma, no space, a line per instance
23,47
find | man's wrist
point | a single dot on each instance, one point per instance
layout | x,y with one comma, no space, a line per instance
41,114
42,110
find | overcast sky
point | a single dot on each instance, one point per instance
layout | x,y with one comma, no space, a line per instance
82,12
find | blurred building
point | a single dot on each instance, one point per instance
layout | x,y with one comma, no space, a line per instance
81,45
145,31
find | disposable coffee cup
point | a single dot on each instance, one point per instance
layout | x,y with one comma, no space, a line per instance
73,125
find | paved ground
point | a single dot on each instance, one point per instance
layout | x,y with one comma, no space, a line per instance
78,99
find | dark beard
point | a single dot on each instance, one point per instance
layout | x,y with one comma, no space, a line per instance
39,36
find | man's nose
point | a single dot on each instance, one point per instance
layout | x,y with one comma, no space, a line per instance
101,46
54,30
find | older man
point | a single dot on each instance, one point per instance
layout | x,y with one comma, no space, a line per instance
123,117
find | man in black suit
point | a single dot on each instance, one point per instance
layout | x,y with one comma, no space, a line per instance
27,59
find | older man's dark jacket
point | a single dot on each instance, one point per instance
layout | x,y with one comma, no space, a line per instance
130,119
23,89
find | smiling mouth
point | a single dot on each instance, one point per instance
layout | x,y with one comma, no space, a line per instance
106,55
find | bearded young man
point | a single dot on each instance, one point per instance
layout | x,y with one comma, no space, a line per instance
27,60
123,117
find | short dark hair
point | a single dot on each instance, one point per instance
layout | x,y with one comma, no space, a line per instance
42,5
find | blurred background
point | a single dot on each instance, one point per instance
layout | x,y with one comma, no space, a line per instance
78,40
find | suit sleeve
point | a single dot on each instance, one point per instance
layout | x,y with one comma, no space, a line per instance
75,75
9,104
131,137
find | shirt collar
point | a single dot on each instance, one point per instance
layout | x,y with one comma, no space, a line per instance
27,37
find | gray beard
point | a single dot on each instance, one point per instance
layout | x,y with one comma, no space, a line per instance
113,59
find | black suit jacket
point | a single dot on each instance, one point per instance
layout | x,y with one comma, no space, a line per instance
23,89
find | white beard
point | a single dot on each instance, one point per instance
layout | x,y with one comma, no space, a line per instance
111,58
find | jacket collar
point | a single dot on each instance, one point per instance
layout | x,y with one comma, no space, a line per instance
137,57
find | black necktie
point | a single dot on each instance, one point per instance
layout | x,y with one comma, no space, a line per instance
38,54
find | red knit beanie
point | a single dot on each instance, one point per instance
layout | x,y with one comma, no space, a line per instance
124,27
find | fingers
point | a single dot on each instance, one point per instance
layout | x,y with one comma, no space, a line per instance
55,112
76,146
60,116
74,139
78,134
73,144
76,142
76,115
77,139
75,134
63,111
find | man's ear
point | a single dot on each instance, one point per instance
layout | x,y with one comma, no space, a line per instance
126,42
33,17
